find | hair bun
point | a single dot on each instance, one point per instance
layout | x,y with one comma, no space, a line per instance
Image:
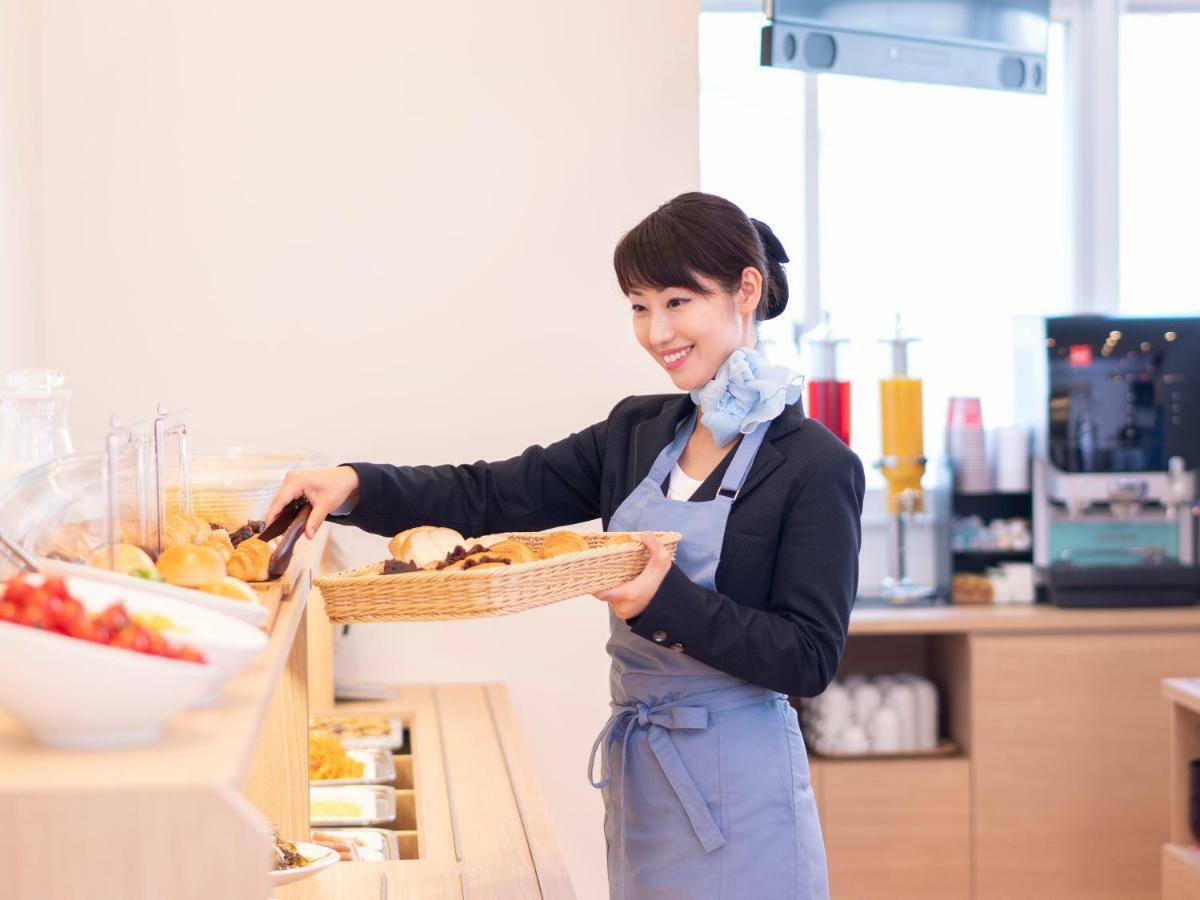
771,243
776,287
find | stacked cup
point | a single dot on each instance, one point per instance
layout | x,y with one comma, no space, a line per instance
967,446
884,714
1011,445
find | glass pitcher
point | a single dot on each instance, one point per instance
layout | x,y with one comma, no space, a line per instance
33,418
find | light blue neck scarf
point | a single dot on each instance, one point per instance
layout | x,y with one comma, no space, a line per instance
746,390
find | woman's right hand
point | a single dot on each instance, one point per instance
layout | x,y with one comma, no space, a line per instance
325,489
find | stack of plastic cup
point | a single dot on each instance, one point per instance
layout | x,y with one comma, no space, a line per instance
967,445
1011,445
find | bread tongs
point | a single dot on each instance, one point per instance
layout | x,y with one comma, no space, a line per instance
290,524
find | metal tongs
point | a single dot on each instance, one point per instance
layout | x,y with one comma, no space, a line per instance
20,558
290,524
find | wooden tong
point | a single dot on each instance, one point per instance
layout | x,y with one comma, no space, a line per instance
290,524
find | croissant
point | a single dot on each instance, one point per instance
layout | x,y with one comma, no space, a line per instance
181,528
513,550
219,540
250,561
559,542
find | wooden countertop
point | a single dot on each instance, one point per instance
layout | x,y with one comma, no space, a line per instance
483,829
209,746
991,618
1184,691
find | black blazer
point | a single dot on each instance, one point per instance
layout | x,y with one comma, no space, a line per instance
788,573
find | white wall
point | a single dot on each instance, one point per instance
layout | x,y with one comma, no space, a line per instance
378,229
18,170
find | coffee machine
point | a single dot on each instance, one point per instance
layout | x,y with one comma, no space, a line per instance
1115,407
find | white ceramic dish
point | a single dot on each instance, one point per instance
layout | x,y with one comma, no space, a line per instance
322,858
376,804
229,644
73,693
379,767
252,613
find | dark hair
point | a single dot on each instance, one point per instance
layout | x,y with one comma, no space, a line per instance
701,234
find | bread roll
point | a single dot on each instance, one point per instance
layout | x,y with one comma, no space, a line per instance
232,588
513,550
426,545
559,542
397,542
131,560
250,561
191,565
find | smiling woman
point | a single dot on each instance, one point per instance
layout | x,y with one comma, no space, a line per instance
756,603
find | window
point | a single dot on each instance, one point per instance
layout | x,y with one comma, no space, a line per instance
1160,176
752,147
948,205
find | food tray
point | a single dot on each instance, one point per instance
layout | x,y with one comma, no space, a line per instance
378,768
365,595
370,844
376,802
393,740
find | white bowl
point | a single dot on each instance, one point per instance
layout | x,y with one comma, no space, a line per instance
73,693
322,858
254,613
228,644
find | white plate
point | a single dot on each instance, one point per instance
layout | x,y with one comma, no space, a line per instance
322,858
73,693
253,613
376,804
378,768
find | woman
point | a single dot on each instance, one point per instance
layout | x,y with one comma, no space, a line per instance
705,782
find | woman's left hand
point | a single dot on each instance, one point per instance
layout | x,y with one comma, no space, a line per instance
631,598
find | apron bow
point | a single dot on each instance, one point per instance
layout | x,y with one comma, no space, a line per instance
659,720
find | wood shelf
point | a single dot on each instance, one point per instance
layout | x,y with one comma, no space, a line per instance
187,816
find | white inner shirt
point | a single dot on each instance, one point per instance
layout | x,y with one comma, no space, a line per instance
681,487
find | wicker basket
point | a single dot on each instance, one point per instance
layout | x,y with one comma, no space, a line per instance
364,595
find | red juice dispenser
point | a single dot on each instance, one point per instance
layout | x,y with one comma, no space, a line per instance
828,398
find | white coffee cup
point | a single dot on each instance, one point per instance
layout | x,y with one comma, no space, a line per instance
883,731
903,701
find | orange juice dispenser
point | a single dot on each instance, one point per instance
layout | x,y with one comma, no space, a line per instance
902,465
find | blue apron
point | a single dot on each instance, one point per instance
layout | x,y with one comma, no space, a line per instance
706,787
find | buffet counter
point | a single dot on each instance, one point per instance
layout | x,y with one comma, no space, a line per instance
473,822
186,816
1058,779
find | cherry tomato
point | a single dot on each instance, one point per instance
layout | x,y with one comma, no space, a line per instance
17,591
158,644
56,585
141,640
84,629
190,654
34,617
8,611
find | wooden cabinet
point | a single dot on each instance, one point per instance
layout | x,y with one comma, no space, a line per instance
1062,782
1068,764
896,828
1180,855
